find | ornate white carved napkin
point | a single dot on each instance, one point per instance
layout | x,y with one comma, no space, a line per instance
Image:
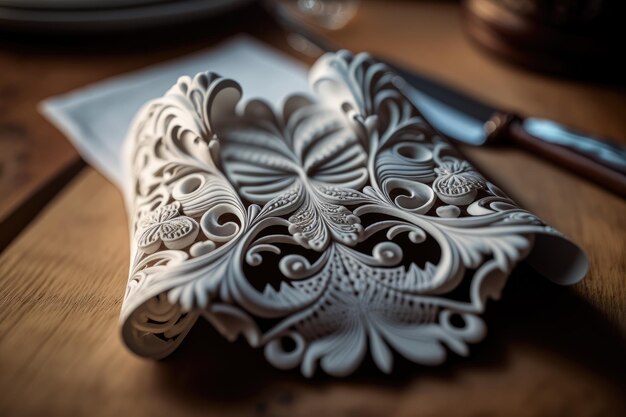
321,228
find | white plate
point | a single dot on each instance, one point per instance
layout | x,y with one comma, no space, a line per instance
144,13
74,4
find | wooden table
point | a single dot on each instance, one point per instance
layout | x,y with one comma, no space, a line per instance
63,272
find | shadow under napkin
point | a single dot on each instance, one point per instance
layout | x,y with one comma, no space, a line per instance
540,334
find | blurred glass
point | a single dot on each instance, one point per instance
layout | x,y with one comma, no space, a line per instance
329,14
315,14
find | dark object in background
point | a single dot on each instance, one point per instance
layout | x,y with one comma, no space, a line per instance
568,37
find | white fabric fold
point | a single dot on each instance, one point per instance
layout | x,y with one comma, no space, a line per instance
97,117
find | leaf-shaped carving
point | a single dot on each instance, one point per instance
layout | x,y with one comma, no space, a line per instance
165,225
317,221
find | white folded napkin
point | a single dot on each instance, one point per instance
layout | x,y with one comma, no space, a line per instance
96,118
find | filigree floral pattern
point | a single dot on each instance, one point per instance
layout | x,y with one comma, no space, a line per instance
319,232
457,182
295,157
165,225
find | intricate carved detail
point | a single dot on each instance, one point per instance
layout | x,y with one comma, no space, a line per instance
457,182
339,224
165,225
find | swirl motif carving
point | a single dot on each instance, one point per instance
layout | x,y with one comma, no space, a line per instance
319,231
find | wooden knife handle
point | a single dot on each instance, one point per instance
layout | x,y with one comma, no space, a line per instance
595,159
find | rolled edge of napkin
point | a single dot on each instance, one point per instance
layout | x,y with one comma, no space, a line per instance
369,231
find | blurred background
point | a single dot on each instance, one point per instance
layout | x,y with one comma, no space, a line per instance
556,59
567,37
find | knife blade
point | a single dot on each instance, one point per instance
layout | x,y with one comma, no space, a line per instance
467,120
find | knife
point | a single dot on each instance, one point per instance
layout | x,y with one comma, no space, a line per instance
469,121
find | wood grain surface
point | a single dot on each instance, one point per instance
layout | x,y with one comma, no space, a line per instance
551,351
